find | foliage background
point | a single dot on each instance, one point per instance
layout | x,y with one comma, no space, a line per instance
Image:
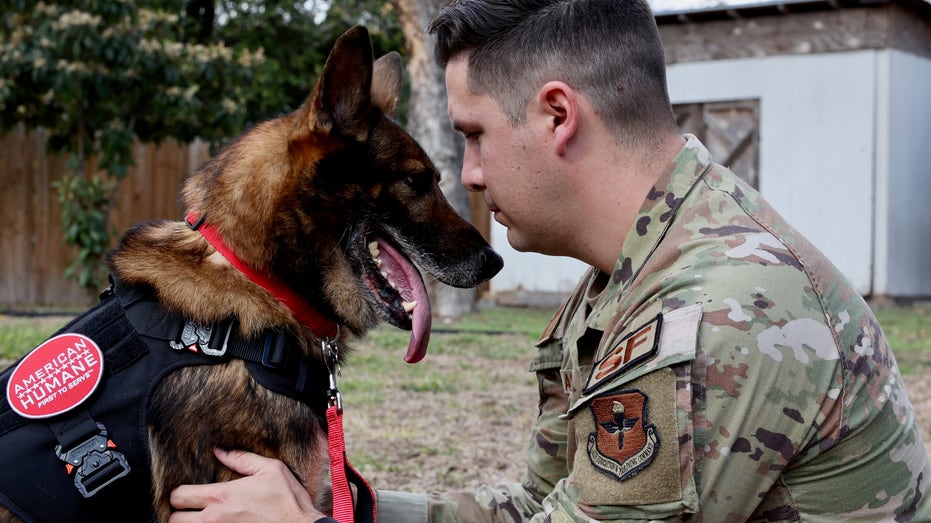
100,75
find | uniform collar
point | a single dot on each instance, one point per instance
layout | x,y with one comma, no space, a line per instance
655,216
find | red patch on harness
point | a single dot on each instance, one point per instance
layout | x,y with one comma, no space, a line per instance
55,377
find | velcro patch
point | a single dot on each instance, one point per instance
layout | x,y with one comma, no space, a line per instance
55,377
637,347
627,449
624,441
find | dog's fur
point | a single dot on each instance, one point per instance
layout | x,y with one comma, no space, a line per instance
300,198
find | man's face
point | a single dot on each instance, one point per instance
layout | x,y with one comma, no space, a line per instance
508,165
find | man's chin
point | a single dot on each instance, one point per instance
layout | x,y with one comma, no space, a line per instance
545,246
520,243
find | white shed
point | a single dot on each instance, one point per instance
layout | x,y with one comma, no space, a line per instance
823,105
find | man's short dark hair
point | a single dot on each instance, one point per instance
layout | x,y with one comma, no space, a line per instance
609,50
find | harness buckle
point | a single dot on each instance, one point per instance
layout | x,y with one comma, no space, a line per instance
211,340
94,462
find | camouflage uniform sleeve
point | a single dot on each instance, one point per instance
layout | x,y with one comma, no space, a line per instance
633,461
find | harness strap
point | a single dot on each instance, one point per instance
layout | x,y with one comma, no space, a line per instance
73,429
274,366
274,358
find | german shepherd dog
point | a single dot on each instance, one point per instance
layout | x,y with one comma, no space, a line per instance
308,229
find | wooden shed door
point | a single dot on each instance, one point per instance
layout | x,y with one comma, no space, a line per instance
730,130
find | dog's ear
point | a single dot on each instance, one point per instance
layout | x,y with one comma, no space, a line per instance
342,95
386,82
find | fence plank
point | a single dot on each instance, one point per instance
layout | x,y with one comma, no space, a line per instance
32,255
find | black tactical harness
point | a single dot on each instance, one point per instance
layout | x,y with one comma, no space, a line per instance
104,439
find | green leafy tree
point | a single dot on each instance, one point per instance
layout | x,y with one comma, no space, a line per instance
99,75
295,37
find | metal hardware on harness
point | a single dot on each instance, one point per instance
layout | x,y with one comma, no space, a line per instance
96,465
199,336
331,355
194,225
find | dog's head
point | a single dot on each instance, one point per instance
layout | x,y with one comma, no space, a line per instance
339,202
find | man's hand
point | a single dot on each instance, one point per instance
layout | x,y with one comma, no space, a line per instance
268,492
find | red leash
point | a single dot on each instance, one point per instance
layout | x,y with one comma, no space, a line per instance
342,494
340,469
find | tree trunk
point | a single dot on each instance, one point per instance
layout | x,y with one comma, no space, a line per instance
428,123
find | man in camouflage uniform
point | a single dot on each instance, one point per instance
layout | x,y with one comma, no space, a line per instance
718,368
712,365
761,384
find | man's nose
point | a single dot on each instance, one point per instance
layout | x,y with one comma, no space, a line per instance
472,173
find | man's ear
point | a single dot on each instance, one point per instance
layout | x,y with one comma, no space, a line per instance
560,104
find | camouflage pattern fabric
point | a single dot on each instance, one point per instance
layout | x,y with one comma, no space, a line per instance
725,371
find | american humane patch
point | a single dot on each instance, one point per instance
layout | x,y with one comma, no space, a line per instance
55,377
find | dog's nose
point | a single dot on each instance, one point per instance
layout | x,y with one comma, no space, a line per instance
491,262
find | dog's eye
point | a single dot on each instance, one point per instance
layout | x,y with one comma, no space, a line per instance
418,181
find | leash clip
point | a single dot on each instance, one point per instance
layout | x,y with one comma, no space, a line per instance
331,355
94,462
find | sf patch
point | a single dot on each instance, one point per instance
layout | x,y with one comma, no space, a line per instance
624,441
639,346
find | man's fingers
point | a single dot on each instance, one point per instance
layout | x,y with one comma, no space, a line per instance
190,497
239,461
245,463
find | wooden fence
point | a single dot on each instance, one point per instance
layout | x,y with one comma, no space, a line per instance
32,255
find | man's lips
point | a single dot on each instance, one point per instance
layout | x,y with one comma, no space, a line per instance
499,217
492,207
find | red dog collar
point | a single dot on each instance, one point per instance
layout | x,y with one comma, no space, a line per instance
303,311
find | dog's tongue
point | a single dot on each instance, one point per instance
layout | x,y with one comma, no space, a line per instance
410,285
420,334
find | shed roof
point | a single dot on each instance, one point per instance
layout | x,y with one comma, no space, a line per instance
679,11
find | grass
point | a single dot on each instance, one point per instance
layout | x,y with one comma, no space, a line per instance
456,352
18,335
908,330
907,327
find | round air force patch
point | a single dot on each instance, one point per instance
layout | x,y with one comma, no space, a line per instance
624,441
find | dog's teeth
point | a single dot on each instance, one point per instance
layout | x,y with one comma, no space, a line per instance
378,262
384,274
392,283
373,249
408,305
